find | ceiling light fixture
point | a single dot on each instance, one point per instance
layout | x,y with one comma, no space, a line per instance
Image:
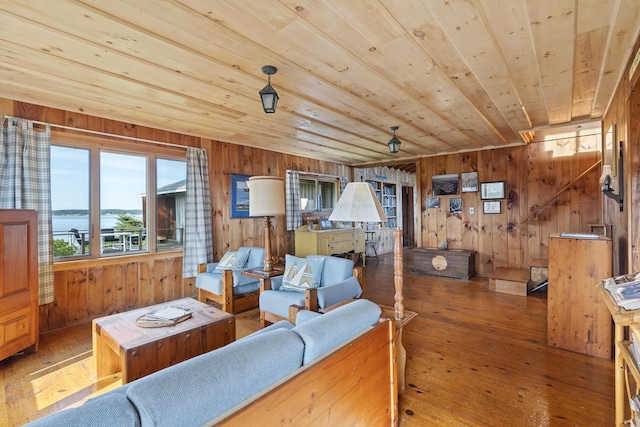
394,143
268,95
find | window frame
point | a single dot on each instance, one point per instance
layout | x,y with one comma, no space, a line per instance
335,180
96,145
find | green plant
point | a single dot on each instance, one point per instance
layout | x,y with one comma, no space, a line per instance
62,248
126,222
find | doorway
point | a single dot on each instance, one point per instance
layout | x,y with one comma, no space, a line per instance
408,235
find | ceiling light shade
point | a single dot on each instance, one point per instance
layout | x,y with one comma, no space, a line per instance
394,143
358,203
268,94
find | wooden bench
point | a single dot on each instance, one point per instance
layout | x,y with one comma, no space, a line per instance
514,281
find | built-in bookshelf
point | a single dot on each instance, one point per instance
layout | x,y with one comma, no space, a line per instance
387,196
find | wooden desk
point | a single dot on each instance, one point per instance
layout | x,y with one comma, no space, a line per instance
120,344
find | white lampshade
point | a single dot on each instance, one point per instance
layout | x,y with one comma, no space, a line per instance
358,203
266,196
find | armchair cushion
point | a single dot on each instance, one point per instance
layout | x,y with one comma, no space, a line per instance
301,273
228,260
333,294
211,280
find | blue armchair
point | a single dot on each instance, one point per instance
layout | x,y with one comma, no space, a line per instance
329,280
223,283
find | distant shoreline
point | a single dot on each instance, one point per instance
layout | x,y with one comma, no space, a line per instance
84,212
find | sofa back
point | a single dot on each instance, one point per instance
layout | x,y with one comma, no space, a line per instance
334,270
199,389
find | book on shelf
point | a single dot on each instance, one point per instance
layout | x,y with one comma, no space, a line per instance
625,290
166,316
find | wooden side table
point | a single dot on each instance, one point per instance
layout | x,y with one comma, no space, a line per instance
265,283
389,312
120,344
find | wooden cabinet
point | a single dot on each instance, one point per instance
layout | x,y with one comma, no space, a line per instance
18,281
328,242
577,318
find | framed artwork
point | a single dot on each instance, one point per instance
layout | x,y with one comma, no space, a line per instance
469,181
239,196
444,185
432,202
492,190
455,205
492,207
325,224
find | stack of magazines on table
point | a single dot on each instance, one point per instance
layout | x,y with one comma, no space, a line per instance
625,290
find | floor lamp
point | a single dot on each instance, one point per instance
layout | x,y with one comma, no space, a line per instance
266,198
358,203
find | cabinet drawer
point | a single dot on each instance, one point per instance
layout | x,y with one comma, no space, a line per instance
341,237
15,326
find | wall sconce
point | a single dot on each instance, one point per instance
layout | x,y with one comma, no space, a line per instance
268,94
394,143
608,182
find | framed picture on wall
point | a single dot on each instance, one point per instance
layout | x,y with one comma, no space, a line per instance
455,205
491,207
492,190
444,185
239,196
469,181
432,202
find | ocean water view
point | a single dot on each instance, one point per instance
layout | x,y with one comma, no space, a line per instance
64,223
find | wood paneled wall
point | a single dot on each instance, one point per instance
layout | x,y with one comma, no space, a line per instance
533,174
88,289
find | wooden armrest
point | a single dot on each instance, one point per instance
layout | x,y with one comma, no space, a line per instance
357,272
202,268
311,299
293,312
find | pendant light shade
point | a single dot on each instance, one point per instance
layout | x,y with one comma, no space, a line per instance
394,143
268,94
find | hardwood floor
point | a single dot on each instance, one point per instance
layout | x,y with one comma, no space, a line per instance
475,358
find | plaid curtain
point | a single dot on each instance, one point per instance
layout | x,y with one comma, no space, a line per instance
25,183
343,183
292,200
198,236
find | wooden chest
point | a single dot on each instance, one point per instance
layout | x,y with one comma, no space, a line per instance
120,344
454,263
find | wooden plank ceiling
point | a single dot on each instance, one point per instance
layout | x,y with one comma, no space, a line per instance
454,75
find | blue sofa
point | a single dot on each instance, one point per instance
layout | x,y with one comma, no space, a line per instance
222,384
337,281
228,287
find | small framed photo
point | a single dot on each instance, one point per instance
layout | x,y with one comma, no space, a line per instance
325,224
492,207
455,205
239,196
492,190
432,202
469,181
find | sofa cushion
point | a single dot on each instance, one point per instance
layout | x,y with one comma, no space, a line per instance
327,331
228,261
301,273
199,389
108,411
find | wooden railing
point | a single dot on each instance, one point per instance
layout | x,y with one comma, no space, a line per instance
562,190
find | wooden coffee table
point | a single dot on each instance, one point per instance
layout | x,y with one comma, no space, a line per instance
120,344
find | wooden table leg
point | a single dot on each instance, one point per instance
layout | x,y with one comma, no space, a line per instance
401,354
619,376
106,361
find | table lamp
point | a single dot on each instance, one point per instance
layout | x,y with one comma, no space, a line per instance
266,198
358,203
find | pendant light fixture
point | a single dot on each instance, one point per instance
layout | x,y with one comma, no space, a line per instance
394,143
268,95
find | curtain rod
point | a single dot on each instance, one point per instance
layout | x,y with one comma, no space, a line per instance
94,132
